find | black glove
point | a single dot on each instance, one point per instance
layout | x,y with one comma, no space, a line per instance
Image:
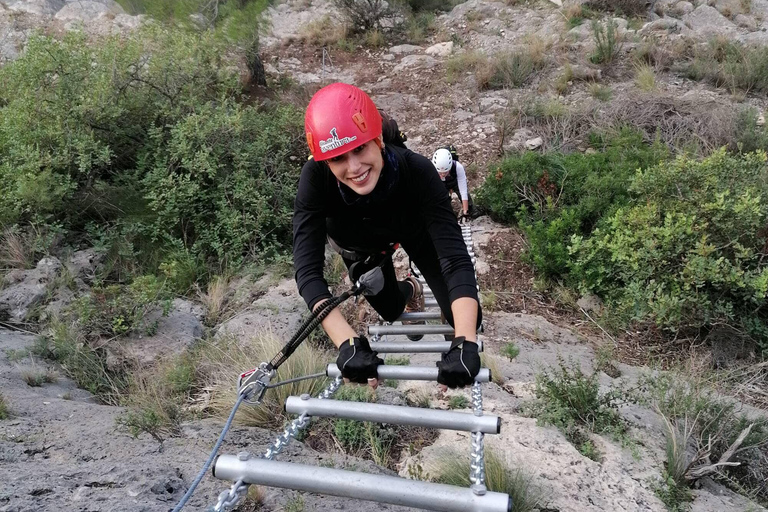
357,361
460,365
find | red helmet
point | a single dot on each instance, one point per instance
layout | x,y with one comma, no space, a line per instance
340,117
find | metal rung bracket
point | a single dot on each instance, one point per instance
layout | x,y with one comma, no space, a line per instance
394,414
427,373
349,484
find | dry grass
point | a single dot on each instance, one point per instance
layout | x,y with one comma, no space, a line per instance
323,32
215,299
36,378
15,250
625,7
222,360
493,363
4,412
645,77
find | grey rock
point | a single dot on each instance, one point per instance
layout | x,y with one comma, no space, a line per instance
683,8
744,21
535,143
440,49
590,303
85,264
707,22
172,333
666,24
85,10
492,104
281,309
586,73
27,288
415,62
42,8
404,49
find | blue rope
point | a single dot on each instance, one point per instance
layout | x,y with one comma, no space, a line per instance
216,447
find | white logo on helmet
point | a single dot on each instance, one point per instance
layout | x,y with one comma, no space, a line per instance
334,142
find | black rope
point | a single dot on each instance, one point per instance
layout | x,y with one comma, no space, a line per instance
307,327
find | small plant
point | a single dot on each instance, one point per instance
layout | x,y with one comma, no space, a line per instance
323,32
421,398
458,402
295,504
492,363
600,92
608,43
461,63
511,351
16,355
488,300
36,378
571,401
453,469
418,26
645,77
374,39
4,412
509,70
397,361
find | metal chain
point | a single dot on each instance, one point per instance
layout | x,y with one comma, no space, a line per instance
477,458
228,500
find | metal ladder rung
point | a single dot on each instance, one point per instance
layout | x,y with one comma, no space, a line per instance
428,373
430,303
394,414
415,347
409,329
419,315
363,486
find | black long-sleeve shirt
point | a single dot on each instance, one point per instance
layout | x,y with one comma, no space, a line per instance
409,205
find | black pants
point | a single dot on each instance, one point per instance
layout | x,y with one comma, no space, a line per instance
390,302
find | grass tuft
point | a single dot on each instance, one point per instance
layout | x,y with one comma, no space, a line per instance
452,468
4,410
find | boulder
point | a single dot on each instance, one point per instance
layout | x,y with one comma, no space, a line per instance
171,334
84,264
85,10
404,49
667,24
532,144
415,62
707,22
25,288
42,8
744,21
281,309
683,8
440,49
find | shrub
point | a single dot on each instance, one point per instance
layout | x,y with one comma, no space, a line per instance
696,417
364,15
418,26
688,254
509,70
511,350
86,365
323,32
116,310
458,402
453,468
608,42
727,63
554,196
140,142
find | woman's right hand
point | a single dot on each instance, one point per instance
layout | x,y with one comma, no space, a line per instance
358,363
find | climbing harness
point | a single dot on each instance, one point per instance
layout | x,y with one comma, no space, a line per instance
245,469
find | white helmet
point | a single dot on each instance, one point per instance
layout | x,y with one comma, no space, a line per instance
442,160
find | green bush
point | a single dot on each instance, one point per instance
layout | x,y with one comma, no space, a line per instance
140,142
689,252
116,310
608,42
554,196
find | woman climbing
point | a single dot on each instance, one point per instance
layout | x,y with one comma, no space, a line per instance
367,198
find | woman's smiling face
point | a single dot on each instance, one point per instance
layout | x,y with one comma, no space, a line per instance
359,168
